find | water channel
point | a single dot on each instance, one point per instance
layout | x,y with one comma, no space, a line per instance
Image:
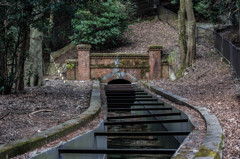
131,142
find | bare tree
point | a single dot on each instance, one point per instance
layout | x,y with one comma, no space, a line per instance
182,33
191,27
187,45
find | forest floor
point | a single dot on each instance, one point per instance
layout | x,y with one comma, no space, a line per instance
40,108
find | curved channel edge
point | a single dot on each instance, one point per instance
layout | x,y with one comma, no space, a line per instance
213,143
32,142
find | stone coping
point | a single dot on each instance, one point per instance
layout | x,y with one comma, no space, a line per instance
119,55
106,67
154,47
71,61
62,51
213,142
84,47
37,140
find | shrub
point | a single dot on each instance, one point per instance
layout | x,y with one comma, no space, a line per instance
209,10
100,24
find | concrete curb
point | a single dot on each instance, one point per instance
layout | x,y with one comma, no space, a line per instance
32,142
213,142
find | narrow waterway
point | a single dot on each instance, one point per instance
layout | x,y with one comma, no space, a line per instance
147,141
138,126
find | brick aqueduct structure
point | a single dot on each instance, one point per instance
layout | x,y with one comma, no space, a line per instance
109,66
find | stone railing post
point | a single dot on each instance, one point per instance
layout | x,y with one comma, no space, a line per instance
83,62
155,61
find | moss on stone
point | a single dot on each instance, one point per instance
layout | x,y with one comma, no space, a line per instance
144,71
171,57
179,73
179,157
144,63
205,152
125,63
112,65
117,55
155,47
221,143
21,147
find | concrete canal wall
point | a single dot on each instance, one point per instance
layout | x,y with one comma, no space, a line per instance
85,141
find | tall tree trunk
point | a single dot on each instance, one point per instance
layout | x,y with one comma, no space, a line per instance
3,70
48,42
3,62
21,56
182,33
239,21
191,27
33,66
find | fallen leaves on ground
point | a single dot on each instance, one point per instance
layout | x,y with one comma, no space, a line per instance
40,108
211,83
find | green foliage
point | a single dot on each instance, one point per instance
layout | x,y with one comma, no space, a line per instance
70,65
101,24
16,19
210,10
175,2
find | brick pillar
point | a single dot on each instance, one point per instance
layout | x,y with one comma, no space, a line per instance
155,61
83,62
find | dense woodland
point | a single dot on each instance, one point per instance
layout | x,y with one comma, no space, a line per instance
31,29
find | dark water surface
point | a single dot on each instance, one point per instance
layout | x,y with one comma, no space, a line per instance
140,142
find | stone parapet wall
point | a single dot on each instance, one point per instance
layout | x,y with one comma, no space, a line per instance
105,66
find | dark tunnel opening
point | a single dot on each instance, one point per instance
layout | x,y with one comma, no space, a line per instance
121,93
119,81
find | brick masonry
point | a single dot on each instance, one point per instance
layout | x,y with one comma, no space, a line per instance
109,66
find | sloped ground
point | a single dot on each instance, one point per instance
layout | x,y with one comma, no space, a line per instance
40,108
147,33
210,82
139,36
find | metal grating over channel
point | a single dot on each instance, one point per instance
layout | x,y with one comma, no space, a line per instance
138,125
